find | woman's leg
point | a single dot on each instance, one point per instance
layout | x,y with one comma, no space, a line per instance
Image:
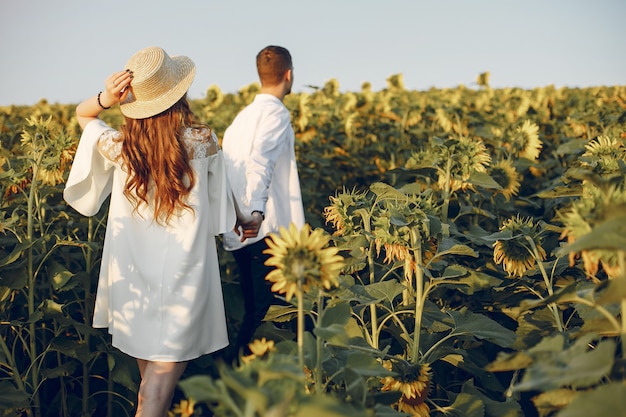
158,383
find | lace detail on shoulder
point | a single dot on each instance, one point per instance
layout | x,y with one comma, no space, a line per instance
110,145
200,142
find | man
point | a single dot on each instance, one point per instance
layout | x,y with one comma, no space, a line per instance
261,165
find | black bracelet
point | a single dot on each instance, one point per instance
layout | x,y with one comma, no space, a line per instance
260,212
100,104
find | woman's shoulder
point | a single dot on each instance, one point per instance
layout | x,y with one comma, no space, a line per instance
110,144
201,141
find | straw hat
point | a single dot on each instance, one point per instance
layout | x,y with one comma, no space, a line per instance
159,82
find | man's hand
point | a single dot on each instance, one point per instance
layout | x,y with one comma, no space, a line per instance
249,227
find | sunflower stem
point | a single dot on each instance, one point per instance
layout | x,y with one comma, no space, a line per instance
621,255
300,325
446,192
32,278
371,266
552,306
609,317
419,291
318,365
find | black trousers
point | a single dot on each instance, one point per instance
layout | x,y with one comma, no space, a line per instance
257,294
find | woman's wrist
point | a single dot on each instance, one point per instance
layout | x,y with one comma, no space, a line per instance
102,106
104,100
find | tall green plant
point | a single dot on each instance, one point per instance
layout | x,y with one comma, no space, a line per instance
48,351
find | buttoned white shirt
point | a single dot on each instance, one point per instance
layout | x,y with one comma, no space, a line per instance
260,161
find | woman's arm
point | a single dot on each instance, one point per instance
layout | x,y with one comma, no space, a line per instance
116,90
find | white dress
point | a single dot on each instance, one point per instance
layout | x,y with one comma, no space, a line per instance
159,291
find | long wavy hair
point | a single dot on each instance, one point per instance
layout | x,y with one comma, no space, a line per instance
159,171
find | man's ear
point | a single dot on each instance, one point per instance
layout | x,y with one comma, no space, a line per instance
288,74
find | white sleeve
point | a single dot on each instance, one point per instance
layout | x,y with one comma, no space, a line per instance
90,179
269,143
220,196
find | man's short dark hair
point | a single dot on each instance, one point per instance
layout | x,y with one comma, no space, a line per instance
272,62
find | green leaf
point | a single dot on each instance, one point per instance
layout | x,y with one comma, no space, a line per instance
434,319
123,369
334,334
326,406
563,295
244,385
572,146
533,327
453,271
200,388
72,347
354,243
381,408
65,369
484,180
554,343
494,408
482,327
332,324
11,397
59,276
15,253
354,383
547,403
571,367
560,191
14,278
466,405
610,234
456,250
605,400
477,281
281,314
366,364
336,314
386,191
379,291
613,292
510,362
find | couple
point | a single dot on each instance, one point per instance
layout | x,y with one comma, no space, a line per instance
172,190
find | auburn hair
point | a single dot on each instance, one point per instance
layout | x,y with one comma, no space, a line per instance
272,62
159,171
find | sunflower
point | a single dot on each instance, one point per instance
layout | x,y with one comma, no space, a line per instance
443,120
525,141
394,223
468,155
214,96
339,213
51,177
185,408
413,381
604,155
515,253
51,173
504,173
259,348
304,113
580,220
302,256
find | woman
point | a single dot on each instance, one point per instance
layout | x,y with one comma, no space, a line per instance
159,291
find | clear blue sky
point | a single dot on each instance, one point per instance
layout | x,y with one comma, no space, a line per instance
63,50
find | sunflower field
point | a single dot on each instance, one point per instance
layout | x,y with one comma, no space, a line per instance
464,255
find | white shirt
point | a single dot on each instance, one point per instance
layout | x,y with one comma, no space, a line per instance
261,167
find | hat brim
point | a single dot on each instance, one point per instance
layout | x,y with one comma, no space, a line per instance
136,109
